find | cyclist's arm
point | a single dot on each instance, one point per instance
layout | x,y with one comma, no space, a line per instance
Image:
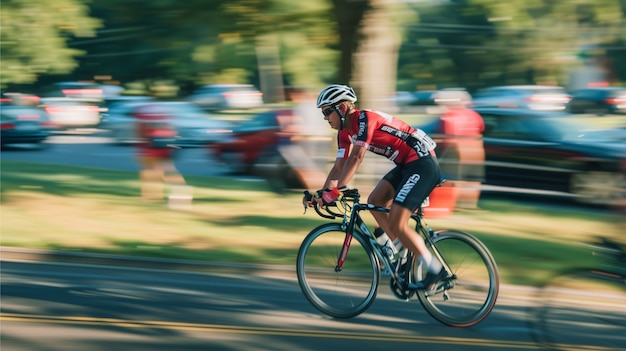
333,175
343,147
351,165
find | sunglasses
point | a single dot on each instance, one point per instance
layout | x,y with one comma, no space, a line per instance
327,112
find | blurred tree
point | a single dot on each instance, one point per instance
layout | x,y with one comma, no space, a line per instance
370,41
35,34
615,58
469,43
475,43
201,42
149,41
289,40
198,42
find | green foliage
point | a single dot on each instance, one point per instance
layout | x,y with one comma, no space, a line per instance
35,35
469,43
199,42
475,43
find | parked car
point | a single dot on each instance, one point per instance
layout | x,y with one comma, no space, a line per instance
554,152
109,101
533,97
17,98
227,97
600,100
432,102
70,113
424,98
194,126
23,125
249,140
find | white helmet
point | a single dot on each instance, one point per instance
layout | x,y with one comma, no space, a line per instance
334,94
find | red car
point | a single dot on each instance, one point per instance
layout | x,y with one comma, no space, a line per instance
251,140
253,148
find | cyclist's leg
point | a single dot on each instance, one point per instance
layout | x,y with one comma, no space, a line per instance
151,178
382,195
420,177
410,239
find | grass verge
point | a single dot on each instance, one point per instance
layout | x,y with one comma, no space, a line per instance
96,210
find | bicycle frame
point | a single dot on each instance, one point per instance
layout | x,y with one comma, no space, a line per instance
352,219
355,221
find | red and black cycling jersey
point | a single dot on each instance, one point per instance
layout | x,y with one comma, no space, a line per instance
382,134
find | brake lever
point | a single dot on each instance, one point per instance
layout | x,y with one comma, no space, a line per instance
307,197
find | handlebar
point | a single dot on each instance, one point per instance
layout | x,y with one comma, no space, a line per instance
348,195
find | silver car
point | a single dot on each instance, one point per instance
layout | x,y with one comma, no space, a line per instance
532,97
23,125
227,97
194,126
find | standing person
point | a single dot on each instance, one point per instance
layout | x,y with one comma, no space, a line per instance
158,174
462,153
403,189
306,148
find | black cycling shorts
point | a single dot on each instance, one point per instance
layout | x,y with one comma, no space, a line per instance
414,182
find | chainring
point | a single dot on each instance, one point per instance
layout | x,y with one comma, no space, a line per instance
400,292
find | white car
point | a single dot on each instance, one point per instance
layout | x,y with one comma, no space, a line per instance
533,97
227,97
72,112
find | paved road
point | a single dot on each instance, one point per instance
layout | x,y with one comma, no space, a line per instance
74,306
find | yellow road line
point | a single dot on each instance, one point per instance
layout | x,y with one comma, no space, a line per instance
217,328
234,329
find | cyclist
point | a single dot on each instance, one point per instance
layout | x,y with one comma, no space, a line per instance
403,189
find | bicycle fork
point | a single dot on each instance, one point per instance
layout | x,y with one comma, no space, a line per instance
344,252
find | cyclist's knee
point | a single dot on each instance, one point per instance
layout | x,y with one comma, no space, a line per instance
398,228
382,194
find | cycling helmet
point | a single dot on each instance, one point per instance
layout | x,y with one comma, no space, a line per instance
334,94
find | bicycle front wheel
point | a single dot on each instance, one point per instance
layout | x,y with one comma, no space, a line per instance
469,295
582,309
340,292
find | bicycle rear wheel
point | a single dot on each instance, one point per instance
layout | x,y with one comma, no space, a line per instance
470,294
582,309
340,293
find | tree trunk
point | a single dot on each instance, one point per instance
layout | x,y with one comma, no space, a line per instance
270,73
376,59
349,17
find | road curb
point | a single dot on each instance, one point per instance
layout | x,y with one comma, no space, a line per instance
8,253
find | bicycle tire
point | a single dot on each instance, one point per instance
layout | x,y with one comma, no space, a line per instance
581,309
340,294
470,295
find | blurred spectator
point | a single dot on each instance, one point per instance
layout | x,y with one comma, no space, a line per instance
461,149
304,139
156,151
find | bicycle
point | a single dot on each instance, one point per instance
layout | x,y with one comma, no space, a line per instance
584,308
339,267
